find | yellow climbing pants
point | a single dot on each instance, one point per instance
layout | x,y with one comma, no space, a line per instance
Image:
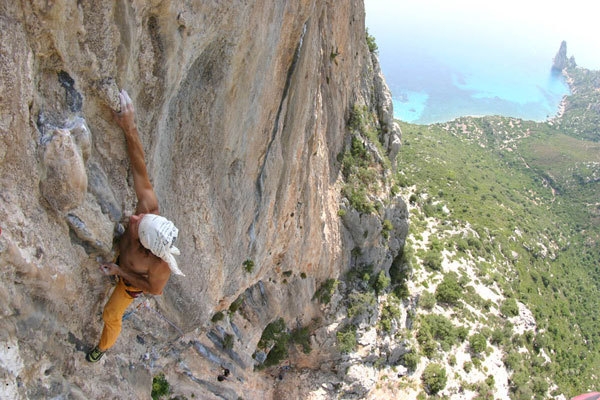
114,309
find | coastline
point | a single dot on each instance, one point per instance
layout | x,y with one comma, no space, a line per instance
561,109
427,111
532,94
562,106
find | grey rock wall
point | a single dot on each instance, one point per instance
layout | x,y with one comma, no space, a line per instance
242,111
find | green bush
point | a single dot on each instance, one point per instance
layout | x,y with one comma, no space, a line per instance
449,290
439,328
272,332
474,243
461,333
411,360
160,387
358,198
356,123
301,336
426,342
275,337
248,265
386,228
509,308
433,260
389,312
346,339
360,303
326,290
381,283
371,42
513,360
498,337
228,341
427,300
477,343
467,366
452,360
434,378
361,274
401,291
233,307
218,316
462,245
278,352
539,386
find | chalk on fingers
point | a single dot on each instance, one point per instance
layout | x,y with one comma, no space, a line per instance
126,96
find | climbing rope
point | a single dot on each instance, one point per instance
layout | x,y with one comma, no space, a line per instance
146,304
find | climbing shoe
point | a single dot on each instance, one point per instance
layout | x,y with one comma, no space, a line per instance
94,355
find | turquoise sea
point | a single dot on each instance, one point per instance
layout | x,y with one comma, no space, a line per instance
440,65
428,90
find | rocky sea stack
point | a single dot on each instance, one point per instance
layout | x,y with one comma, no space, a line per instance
561,61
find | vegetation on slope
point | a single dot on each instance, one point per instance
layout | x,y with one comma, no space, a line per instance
505,223
582,109
528,194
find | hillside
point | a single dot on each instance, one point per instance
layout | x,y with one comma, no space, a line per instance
504,214
582,108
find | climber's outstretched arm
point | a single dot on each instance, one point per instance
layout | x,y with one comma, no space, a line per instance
147,201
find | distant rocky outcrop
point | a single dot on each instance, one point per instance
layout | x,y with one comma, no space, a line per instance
561,60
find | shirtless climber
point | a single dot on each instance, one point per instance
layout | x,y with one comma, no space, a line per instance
146,248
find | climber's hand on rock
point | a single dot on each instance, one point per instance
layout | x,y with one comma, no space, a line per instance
125,118
109,269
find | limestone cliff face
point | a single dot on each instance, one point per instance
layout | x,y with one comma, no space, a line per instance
242,108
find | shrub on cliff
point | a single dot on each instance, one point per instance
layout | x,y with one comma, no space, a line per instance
411,360
346,339
381,282
371,42
477,343
275,338
510,308
434,378
360,303
449,290
326,290
389,313
440,328
160,387
433,260
248,265
427,300
301,336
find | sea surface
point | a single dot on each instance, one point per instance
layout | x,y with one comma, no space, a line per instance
440,65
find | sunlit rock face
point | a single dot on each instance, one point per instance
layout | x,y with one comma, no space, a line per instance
242,109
